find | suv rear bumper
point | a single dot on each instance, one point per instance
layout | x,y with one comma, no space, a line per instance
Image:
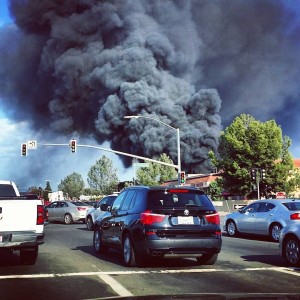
179,248
16,240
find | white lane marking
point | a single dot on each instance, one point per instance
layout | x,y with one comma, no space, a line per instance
290,271
115,285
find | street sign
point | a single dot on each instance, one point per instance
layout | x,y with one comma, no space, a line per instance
32,145
141,165
280,195
238,206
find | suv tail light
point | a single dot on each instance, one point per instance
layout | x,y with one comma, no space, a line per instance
214,218
148,218
40,217
295,216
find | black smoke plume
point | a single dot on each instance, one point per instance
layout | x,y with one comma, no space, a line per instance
82,65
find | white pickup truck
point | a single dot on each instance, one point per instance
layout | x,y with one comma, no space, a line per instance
21,222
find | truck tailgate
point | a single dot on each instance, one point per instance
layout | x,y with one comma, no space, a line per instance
19,215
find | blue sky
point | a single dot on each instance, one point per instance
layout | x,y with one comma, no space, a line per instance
4,14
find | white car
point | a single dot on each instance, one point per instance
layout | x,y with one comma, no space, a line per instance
289,244
96,211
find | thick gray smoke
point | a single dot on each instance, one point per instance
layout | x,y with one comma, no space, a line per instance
82,65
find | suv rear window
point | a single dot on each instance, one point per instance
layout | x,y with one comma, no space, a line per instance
292,205
179,198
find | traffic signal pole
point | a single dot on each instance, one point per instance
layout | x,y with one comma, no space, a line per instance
257,183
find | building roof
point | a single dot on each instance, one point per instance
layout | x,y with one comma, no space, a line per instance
297,163
194,179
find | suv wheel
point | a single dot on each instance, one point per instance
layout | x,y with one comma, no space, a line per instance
89,223
97,242
292,251
207,259
231,228
129,256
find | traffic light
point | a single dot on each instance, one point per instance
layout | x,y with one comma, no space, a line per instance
263,174
253,174
24,149
73,146
182,177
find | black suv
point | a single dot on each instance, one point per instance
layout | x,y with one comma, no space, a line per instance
160,222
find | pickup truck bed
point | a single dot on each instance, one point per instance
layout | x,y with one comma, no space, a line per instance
22,226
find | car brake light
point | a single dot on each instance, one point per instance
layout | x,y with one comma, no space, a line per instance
214,218
40,217
148,218
81,208
295,216
179,191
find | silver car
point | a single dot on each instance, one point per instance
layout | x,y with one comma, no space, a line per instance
289,244
67,211
263,217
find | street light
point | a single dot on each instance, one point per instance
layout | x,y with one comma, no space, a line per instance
178,139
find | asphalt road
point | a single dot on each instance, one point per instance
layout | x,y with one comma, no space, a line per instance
67,268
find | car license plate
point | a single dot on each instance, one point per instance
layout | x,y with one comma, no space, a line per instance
1,238
189,220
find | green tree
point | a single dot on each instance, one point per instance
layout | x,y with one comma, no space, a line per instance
47,190
36,190
72,186
284,168
246,144
102,177
156,173
215,189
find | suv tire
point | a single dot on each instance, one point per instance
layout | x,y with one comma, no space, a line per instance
97,242
129,256
89,223
207,259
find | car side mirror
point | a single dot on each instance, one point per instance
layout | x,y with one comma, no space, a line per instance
95,205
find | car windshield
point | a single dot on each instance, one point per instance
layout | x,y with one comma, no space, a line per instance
292,205
179,198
